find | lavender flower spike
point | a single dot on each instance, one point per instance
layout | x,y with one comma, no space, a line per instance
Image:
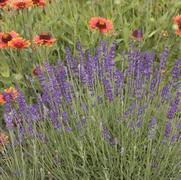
108,90
167,129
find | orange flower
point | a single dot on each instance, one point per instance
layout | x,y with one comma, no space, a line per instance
137,35
3,3
18,43
177,22
12,92
44,39
21,4
40,3
100,24
6,37
4,140
2,100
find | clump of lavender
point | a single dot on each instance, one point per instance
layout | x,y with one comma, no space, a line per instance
76,95
65,84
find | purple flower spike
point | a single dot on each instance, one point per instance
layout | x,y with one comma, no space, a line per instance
65,118
33,113
8,120
7,98
173,108
107,136
168,128
82,73
147,65
90,73
109,59
54,119
176,71
174,138
163,58
108,90
119,77
165,93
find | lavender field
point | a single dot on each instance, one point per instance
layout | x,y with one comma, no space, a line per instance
90,90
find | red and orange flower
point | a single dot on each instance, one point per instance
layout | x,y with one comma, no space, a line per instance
100,24
2,99
21,4
177,23
19,43
12,92
3,3
6,37
137,35
39,3
44,39
4,140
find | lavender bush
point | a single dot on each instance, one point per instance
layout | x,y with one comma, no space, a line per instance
93,120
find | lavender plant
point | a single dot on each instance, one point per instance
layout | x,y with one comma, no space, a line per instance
92,120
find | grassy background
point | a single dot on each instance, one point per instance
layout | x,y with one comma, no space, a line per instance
68,21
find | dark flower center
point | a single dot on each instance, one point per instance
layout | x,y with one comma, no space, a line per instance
179,26
36,71
2,1
137,34
178,22
35,1
6,37
101,24
21,5
45,36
